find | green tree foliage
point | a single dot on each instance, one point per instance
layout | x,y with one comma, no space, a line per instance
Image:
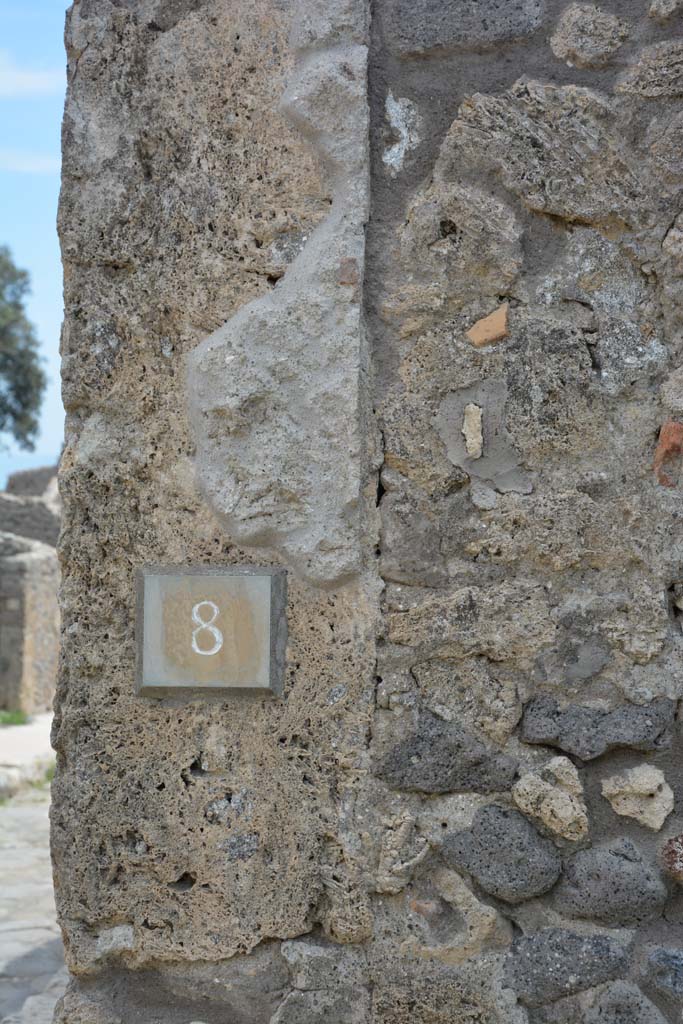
22,380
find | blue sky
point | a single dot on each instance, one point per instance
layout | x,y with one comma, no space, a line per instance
32,84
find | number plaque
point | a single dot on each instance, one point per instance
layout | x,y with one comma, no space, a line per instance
211,630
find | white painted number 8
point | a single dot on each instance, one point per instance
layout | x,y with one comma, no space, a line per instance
204,624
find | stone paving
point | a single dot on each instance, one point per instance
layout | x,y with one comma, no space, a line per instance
32,973
25,754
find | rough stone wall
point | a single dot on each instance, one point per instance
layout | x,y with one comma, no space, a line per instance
29,624
32,482
30,505
29,581
390,296
29,517
187,834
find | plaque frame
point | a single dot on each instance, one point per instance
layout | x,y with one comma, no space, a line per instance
216,694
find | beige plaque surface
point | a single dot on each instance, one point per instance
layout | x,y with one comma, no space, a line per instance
210,629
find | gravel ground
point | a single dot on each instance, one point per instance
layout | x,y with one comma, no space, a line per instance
32,973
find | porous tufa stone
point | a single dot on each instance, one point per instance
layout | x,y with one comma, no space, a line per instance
553,795
672,391
641,793
401,852
472,431
663,9
587,36
657,72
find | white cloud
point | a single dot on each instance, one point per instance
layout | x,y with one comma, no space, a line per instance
17,82
19,162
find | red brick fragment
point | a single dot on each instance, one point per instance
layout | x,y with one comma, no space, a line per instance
492,328
672,857
669,446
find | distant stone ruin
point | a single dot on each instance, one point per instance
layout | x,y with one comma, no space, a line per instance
29,581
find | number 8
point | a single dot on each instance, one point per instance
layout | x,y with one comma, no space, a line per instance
209,625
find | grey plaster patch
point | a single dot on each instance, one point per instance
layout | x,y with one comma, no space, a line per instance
482,496
505,854
405,121
256,406
496,464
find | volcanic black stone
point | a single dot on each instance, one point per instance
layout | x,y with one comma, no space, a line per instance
611,884
555,962
442,757
505,854
620,1002
665,973
590,732
623,1003
418,26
